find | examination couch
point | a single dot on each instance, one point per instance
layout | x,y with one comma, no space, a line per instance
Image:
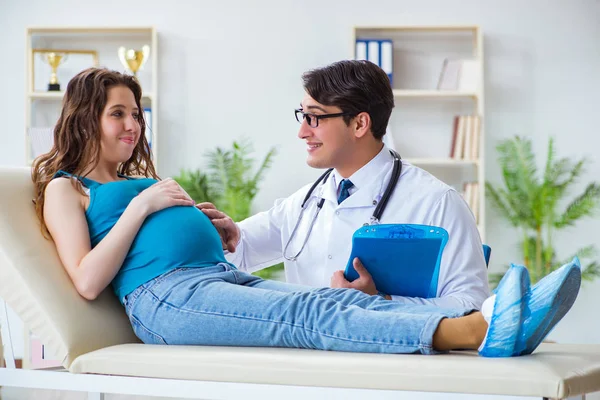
100,354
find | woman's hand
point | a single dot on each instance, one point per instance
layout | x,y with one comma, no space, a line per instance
164,194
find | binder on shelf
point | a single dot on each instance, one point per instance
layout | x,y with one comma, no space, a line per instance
387,57
460,75
377,51
148,119
471,195
468,137
450,75
361,50
459,139
465,137
469,76
454,131
373,52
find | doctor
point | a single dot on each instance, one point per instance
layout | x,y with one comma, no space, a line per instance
343,117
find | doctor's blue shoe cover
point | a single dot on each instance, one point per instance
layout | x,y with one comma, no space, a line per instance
508,314
551,298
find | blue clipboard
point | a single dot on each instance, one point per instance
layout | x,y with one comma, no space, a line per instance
403,259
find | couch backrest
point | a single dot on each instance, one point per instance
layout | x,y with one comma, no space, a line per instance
35,285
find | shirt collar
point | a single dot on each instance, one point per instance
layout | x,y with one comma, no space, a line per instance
365,174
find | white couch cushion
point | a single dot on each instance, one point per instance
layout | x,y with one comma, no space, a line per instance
554,370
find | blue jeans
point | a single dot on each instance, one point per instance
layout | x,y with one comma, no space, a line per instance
221,306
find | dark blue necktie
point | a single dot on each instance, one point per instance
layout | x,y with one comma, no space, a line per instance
345,185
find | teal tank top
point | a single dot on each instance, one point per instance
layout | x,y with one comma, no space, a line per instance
171,238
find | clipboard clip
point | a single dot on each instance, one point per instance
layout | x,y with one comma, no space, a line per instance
405,232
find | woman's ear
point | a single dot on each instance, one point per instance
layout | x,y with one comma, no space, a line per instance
362,124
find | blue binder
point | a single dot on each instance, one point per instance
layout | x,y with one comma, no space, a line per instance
403,259
378,51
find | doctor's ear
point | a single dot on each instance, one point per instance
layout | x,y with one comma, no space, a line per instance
362,124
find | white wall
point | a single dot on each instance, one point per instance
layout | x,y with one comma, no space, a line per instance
232,68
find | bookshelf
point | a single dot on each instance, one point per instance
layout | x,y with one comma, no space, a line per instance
422,125
59,95
442,162
85,47
443,94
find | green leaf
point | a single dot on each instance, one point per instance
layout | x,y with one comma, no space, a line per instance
231,180
584,205
591,272
518,169
532,205
501,202
266,164
195,183
583,254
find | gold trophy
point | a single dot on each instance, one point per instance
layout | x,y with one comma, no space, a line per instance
54,59
134,60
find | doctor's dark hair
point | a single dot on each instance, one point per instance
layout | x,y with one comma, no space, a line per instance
355,86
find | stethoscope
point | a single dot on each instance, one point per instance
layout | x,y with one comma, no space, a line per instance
396,171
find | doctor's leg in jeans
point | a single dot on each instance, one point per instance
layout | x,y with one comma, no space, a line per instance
212,306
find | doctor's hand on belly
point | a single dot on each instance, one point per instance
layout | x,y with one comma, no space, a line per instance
228,230
364,282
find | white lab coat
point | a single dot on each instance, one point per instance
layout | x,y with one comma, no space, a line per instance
419,198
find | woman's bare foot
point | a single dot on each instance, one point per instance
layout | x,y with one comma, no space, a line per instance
478,327
465,332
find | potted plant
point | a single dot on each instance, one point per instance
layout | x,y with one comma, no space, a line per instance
534,204
229,183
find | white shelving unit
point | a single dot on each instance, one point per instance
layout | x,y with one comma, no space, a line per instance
422,121
442,162
445,94
86,47
90,46
59,95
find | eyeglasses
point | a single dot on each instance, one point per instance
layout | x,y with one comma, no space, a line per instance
313,119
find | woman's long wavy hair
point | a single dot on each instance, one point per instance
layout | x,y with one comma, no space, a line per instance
77,133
